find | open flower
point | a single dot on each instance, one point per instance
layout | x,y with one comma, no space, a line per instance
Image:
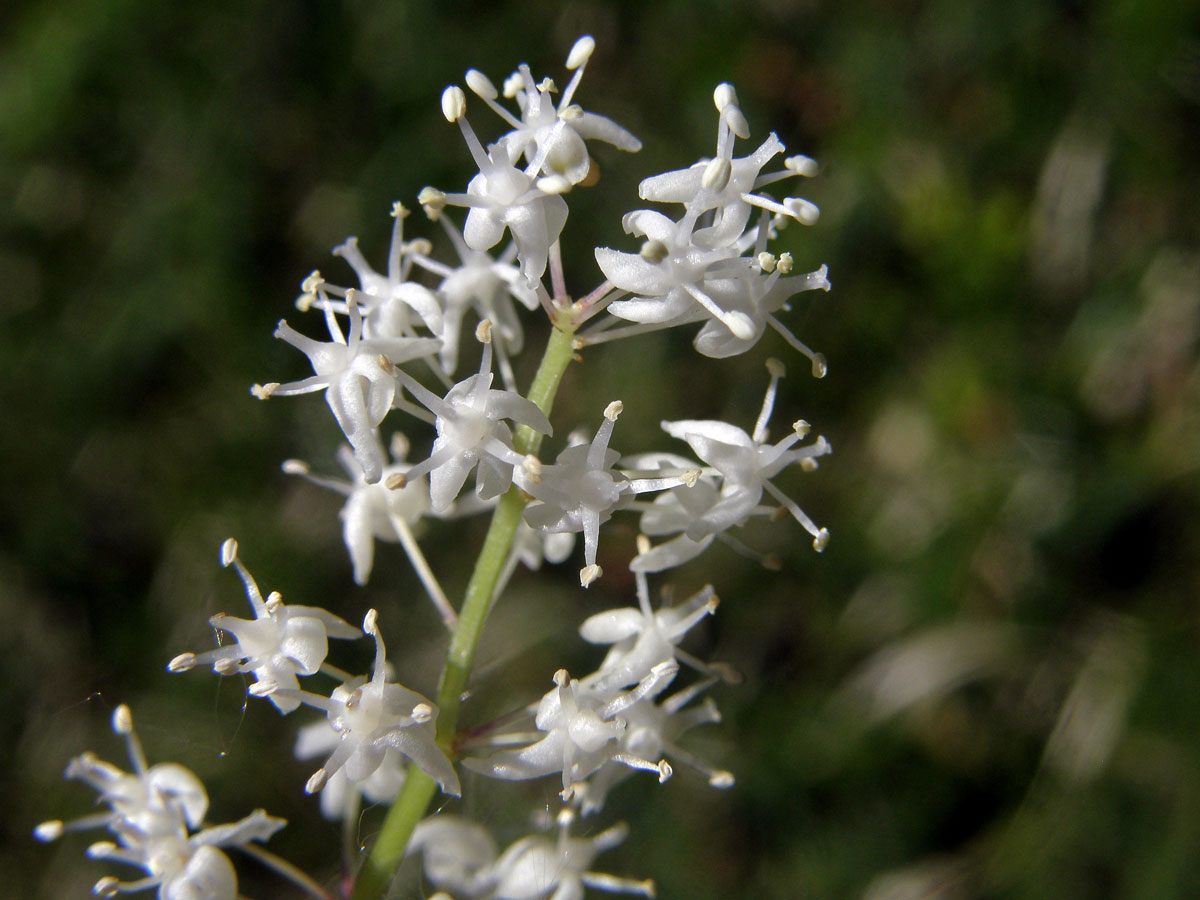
373,715
470,433
152,812
278,644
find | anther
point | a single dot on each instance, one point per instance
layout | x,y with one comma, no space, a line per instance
785,264
643,544
108,886
561,678
776,369
664,771
766,262
819,366
122,720
483,331
613,410
316,781
273,602
454,103
481,85
554,184
371,622
294,467
580,52
801,165
227,665
808,464
721,779
432,201
395,481
182,663
228,552
264,688
821,541
724,95
422,713
588,574
805,212
399,210
49,831
263,391
691,476
801,428
716,174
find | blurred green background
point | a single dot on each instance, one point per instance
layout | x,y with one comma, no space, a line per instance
987,686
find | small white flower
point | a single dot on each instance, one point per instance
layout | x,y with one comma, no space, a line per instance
746,464
372,511
278,644
554,134
371,716
470,433
151,813
580,490
358,376
339,795
582,728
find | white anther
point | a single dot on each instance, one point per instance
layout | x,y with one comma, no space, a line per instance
691,476
801,165
776,369
294,467
313,283
801,427
399,210
264,688
263,391
182,663
819,366
396,481
721,779
766,262
108,886
228,552
432,201
422,713
574,111
664,771
580,52
613,410
49,831
122,720
821,541
554,184
724,95
483,331
454,103
371,622
785,263
737,122
481,85
100,850
716,174
227,665
273,602
547,86
561,678
588,574
643,544
740,325
316,781
805,211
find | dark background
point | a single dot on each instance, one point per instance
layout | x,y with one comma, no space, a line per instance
986,686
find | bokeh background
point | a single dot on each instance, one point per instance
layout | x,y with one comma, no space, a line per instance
987,686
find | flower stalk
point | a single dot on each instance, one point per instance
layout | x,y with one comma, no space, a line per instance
409,808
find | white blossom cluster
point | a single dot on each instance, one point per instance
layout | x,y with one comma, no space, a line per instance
394,345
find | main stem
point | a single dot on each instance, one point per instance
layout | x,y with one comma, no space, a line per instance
409,808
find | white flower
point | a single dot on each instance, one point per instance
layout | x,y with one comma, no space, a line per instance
643,638
372,511
580,490
746,463
374,715
487,286
582,728
278,644
553,134
725,185
339,795
151,813
460,856
389,299
470,432
358,376
651,730
502,197
540,868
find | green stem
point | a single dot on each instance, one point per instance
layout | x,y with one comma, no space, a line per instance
388,852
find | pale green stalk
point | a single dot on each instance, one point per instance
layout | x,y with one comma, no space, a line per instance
388,852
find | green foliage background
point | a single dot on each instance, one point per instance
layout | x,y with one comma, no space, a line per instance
986,687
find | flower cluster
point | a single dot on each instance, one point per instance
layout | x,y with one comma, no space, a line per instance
394,347
155,813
